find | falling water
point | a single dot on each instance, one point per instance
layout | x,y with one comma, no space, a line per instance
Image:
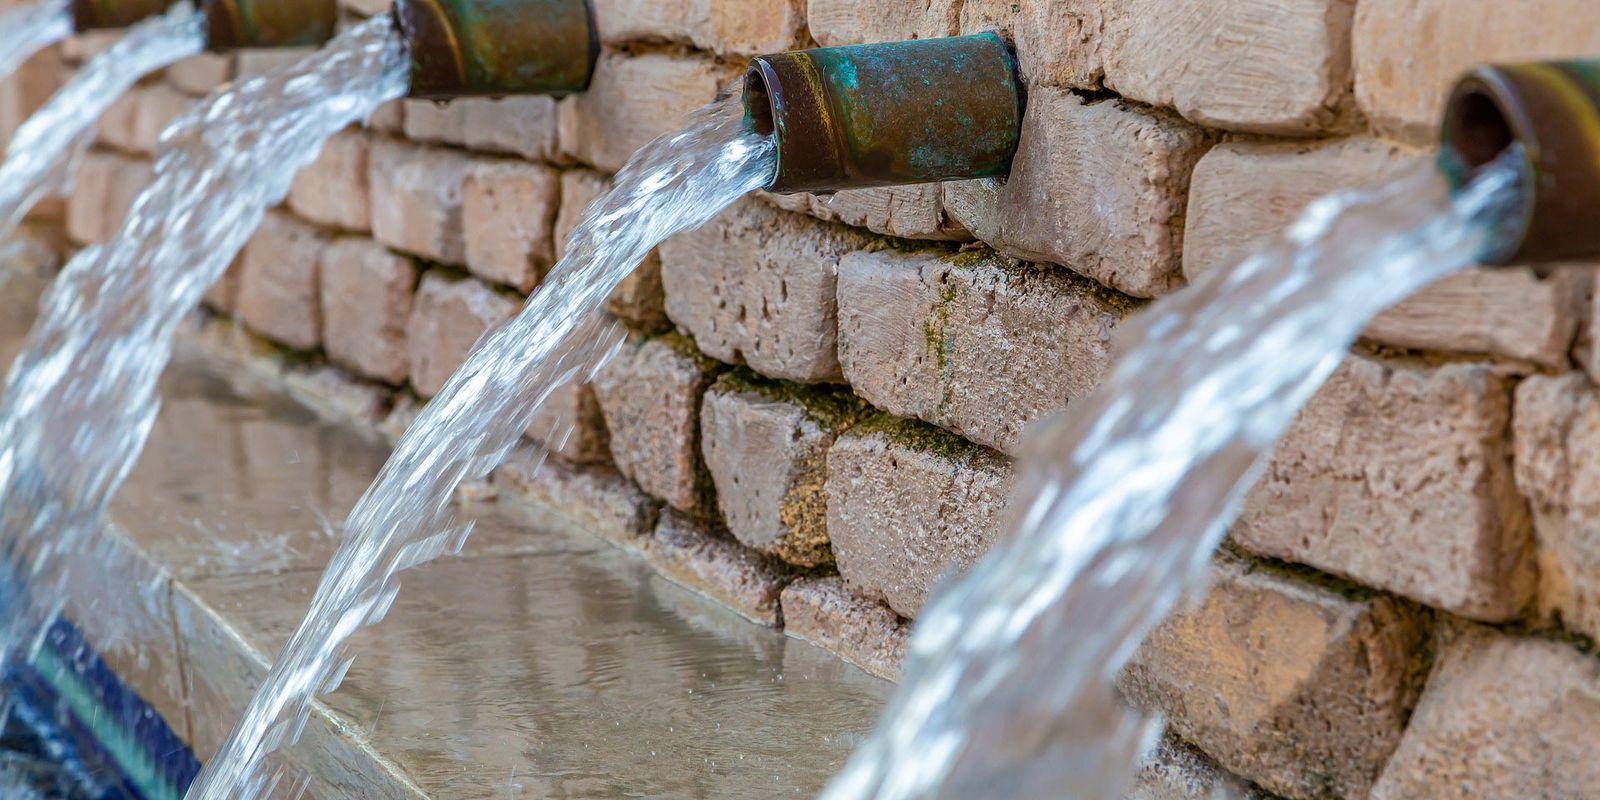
26,30
44,152
1009,680
676,183
80,399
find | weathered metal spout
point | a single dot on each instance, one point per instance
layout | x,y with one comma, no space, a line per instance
883,114
462,48
94,15
232,24
1552,110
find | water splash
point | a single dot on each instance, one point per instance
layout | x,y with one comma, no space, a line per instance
26,30
1009,680
80,399
676,183
44,152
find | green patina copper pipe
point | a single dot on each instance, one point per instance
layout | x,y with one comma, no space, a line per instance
883,114
1552,110
92,15
462,48
232,24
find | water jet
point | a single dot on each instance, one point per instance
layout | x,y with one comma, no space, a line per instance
1551,110
463,48
919,111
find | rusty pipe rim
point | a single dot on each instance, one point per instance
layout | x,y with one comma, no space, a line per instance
93,15
470,48
1551,112
234,24
909,112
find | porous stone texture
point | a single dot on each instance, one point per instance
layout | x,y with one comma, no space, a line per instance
835,23
1303,689
1503,717
570,424
909,212
509,214
729,27
133,124
639,298
1408,53
1398,475
1176,770
692,554
1098,186
632,100
650,394
597,498
104,191
421,194
367,293
756,286
279,294
448,317
334,190
823,611
515,126
1558,468
974,343
199,74
909,505
1244,193
766,447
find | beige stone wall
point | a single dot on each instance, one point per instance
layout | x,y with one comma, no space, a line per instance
816,425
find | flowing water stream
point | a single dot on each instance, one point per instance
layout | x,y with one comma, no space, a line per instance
44,153
27,29
1008,688
80,399
676,183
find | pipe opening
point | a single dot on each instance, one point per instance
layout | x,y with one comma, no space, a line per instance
1478,129
758,102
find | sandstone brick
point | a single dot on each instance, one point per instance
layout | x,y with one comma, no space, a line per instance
766,446
632,101
1408,53
691,554
153,107
640,298
907,212
908,505
104,190
366,8
1557,431
823,612
508,213
367,294
976,344
447,319
1097,186
223,295
570,424
1503,718
81,47
597,498
650,394
519,126
841,22
757,286
335,395
252,62
1175,770
334,190
23,91
199,74
1301,688
1398,476
1056,41
419,196
279,294
729,27
1244,193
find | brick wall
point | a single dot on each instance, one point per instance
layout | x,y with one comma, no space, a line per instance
815,418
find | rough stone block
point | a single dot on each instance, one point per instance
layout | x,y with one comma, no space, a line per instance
841,22
367,294
519,126
597,498
508,216
1503,717
23,91
757,286
81,47
133,124
1175,770
650,394
909,505
1244,194
1408,53
256,61
977,344
1301,688
1100,187
104,191
223,296
279,294
823,612
334,190
632,101
1557,434
907,212
447,318
419,195
640,298
199,74
691,554
570,424
1398,476
766,446
727,27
